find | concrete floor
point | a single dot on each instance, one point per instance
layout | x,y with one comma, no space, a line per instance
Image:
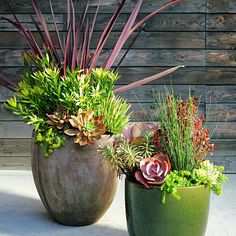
22,213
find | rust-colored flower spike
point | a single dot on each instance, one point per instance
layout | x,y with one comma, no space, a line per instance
153,171
58,119
86,127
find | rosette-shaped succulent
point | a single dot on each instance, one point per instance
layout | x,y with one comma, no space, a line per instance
136,132
153,171
58,119
87,128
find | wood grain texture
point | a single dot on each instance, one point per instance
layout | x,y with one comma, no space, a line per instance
136,57
218,6
106,6
16,129
6,115
15,163
15,147
221,40
221,94
222,130
232,6
152,40
221,22
5,94
221,112
160,22
176,22
149,112
220,58
145,92
188,75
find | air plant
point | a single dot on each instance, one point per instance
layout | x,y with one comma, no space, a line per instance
75,51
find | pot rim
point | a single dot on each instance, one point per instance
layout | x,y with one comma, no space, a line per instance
139,185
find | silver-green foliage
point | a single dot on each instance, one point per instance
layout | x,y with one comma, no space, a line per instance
125,156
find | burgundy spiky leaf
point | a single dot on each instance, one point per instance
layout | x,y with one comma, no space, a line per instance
42,21
8,83
146,80
56,28
74,57
105,35
129,29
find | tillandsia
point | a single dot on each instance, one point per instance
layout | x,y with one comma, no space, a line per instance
68,75
170,155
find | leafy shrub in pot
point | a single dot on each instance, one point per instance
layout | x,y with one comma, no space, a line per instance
168,175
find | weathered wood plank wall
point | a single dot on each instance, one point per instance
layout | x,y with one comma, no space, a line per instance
198,33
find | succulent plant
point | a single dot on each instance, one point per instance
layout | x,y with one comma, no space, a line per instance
58,119
136,132
86,127
153,171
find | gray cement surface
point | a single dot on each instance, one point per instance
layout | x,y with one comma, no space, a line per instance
22,213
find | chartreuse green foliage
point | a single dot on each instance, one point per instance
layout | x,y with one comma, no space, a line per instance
114,109
206,174
45,91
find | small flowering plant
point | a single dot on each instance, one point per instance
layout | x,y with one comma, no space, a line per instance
171,154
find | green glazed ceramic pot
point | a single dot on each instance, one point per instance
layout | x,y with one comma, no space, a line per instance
147,216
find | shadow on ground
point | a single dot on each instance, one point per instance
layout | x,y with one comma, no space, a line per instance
21,215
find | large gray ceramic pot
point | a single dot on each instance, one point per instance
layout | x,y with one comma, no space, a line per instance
74,184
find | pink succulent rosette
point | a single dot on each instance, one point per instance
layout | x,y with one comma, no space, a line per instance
153,171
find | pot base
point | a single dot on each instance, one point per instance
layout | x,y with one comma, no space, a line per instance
147,215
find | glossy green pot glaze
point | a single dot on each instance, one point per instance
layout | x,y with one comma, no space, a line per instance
148,216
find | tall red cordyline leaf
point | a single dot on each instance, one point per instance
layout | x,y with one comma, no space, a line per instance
130,46
8,83
80,36
129,29
51,45
106,34
75,53
56,28
66,51
146,80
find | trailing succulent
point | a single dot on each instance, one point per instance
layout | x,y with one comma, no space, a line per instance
170,155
